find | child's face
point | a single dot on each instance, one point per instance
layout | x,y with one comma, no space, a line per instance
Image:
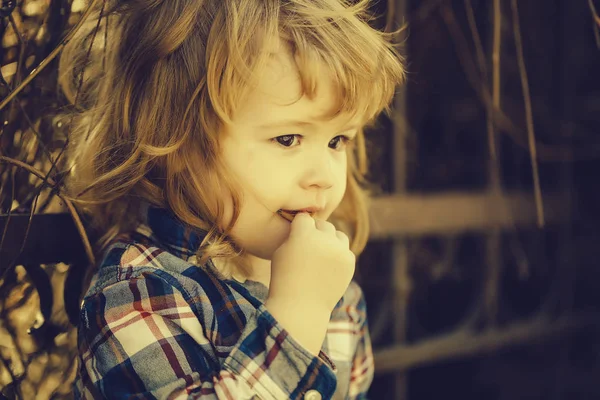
309,173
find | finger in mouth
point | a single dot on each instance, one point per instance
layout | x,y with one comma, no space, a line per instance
289,214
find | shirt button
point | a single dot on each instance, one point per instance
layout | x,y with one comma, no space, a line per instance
312,395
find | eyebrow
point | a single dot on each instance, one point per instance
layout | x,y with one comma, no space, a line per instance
286,123
300,124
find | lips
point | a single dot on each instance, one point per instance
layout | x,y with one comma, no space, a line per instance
290,214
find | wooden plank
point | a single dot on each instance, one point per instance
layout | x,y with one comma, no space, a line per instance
51,238
465,343
452,212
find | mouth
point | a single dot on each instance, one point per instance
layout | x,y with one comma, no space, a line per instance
290,214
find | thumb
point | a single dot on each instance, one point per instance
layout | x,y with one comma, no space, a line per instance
302,222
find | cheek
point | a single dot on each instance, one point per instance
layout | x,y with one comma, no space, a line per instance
257,171
343,174
339,190
226,200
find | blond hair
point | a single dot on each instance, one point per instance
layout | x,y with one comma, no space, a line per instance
154,81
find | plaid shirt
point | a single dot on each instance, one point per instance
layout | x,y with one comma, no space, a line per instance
155,326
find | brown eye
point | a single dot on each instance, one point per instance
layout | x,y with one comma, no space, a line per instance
339,142
287,140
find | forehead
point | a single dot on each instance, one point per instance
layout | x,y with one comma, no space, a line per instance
278,94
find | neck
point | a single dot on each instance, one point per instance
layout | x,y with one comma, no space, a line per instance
260,269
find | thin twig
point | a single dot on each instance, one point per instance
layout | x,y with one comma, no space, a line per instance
496,71
595,15
390,15
493,245
503,123
483,71
528,114
5,230
79,86
48,59
68,203
24,241
596,19
22,44
35,132
476,39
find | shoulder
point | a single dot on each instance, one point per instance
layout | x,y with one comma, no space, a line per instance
141,276
128,260
128,263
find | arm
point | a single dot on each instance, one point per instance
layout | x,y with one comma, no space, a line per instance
140,338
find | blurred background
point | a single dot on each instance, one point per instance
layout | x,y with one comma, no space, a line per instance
481,274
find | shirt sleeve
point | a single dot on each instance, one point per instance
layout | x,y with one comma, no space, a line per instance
363,368
140,339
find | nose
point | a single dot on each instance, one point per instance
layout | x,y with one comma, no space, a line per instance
319,172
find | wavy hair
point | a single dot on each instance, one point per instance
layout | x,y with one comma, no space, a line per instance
154,81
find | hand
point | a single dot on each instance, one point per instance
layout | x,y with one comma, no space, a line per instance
310,272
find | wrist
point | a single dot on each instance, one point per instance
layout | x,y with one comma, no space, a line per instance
306,323
300,310
300,301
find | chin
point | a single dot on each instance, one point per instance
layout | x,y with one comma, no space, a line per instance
263,250
271,237
266,251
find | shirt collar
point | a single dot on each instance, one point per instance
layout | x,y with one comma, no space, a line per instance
166,230
163,227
